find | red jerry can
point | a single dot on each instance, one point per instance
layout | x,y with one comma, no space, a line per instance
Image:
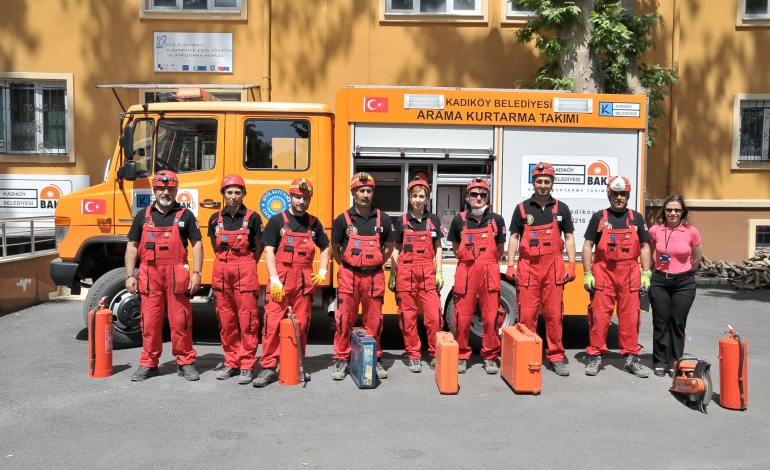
100,341
733,371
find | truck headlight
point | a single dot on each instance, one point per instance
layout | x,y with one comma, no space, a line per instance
62,228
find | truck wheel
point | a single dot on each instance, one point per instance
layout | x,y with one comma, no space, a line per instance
508,302
125,307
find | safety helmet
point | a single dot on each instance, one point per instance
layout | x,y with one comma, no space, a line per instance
302,187
232,180
165,178
417,181
361,179
477,183
618,184
543,168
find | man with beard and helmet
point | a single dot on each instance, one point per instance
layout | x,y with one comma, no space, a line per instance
290,239
621,238
362,240
158,237
536,227
478,239
235,233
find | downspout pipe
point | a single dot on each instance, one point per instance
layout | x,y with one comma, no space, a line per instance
265,89
672,146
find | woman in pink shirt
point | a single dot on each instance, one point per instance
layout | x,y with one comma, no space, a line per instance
676,249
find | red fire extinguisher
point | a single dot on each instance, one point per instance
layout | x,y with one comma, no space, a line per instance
100,341
291,371
733,371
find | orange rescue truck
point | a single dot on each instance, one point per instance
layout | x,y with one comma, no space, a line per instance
448,135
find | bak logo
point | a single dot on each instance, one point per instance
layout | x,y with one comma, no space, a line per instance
49,196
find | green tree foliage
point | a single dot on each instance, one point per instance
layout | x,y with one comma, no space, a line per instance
618,38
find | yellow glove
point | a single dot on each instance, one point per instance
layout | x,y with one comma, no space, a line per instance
392,280
276,289
318,277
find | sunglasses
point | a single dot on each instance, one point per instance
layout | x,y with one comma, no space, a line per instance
474,194
671,209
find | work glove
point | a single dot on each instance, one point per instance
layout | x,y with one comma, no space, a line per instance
589,283
318,277
392,281
510,273
646,280
276,289
570,276
439,280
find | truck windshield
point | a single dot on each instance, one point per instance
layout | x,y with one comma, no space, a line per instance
186,144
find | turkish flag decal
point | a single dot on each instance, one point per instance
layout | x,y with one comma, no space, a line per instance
93,206
375,105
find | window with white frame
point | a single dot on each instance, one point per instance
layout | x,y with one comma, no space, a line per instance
754,132
33,117
196,5
514,9
432,7
762,237
759,9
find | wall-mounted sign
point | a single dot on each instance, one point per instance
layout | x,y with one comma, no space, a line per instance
36,195
193,52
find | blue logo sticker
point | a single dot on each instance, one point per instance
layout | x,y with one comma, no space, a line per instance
605,109
290,240
142,200
470,238
152,235
534,234
408,239
186,67
612,237
224,238
357,242
273,202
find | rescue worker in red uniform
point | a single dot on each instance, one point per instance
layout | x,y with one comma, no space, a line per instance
536,227
478,239
414,274
235,232
290,239
621,238
362,240
158,237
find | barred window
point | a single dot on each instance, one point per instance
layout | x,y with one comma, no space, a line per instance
754,131
434,6
762,237
196,5
33,117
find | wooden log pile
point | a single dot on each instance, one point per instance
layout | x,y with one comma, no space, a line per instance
753,273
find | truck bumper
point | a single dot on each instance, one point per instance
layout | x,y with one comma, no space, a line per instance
63,273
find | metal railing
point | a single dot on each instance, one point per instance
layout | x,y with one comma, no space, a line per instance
27,237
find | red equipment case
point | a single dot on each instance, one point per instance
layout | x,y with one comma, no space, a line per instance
447,352
521,359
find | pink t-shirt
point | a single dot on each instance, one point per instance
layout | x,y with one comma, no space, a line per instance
677,244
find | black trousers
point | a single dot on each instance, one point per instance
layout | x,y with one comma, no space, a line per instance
671,300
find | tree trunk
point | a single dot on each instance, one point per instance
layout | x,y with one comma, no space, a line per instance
633,79
578,62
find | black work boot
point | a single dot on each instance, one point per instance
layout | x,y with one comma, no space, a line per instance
144,373
188,372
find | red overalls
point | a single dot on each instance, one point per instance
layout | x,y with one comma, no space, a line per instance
294,261
360,280
540,280
163,281
617,275
416,276
478,276
236,287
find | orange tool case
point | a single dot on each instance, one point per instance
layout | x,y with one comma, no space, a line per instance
521,359
447,352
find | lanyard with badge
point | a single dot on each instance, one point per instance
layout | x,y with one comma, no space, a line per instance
665,258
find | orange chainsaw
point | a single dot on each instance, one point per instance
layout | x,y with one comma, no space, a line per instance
692,377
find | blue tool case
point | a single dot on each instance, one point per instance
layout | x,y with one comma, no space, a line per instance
363,359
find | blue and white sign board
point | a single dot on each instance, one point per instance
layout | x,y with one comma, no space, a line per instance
619,109
193,52
29,195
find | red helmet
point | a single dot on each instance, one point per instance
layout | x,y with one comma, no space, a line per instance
477,183
302,187
165,178
543,168
361,179
417,181
232,180
618,184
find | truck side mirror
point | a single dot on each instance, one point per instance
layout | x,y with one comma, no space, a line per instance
127,141
128,171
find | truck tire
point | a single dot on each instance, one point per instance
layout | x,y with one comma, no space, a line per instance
125,307
508,302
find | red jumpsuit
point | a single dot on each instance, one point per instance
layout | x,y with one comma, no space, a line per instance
163,281
236,287
294,261
616,270
478,277
540,280
360,281
416,277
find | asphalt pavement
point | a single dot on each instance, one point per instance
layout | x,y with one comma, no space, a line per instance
52,415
